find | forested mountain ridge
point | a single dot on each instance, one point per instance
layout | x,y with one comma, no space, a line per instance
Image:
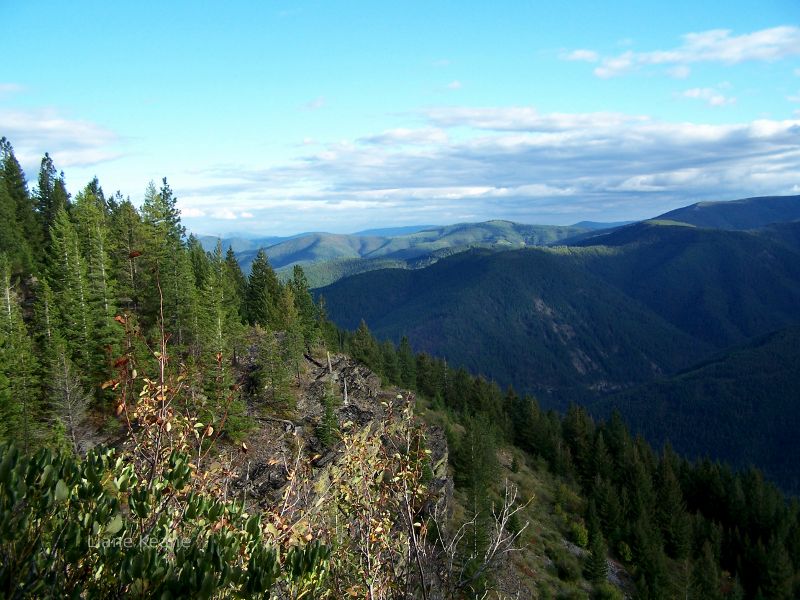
721,287
599,316
575,324
746,397
533,318
328,257
744,214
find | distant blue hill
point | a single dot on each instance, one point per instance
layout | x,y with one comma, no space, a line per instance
744,214
600,225
393,231
327,257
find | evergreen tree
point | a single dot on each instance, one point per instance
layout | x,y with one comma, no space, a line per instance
200,263
127,244
579,435
238,282
19,385
426,383
407,364
68,277
46,319
289,321
671,512
44,192
705,581
263,292
330,335
389,362
602,463
221,331
12,244
272,378
364,348
476,468
92,228
778,580
304,303
597,561
51,194
174,291
94,188
609,510
26,220
651,567
61,198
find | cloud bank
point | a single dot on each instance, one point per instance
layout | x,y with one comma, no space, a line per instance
70,142
714,46
514,163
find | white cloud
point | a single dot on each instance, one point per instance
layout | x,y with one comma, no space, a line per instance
246,215
715,45
581,55
6,89
454,85
710,95
794,98
679,72
523,118
516,163
71,142
192,212
616,65
402,135
224,213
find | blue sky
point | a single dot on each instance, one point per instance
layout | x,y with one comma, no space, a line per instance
281,117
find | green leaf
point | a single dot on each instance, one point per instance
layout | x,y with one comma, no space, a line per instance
62,491
115,525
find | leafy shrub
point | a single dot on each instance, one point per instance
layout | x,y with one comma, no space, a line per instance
578,533
93,526
606,591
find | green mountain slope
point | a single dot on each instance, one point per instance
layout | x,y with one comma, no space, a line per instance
533,318
336,251
719,286
785,233
748,213
567,322
500,233
239,244
746,400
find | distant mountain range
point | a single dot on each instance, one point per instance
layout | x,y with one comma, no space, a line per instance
748,213
653,298
327,257
624,318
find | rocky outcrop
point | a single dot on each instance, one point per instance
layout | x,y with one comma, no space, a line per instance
275,448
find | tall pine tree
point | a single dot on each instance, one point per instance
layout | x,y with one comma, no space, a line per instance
263,292
19,384
17,188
